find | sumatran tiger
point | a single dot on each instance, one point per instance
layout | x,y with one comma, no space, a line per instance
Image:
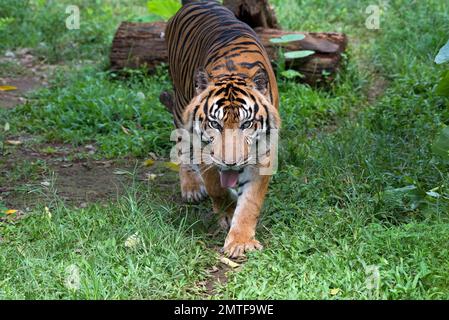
225,92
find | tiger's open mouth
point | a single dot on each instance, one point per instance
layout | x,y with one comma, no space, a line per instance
229,178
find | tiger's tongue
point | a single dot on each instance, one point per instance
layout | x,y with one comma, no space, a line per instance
229,178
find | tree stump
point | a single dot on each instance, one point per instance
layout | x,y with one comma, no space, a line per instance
255,13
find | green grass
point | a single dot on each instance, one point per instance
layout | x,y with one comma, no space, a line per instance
39,253
124,117
340,205
40,24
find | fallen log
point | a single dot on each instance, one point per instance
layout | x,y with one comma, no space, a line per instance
136,45
142,45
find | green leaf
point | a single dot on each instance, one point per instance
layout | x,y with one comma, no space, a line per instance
443,87
163,8
298,54
288,38
290,74
441,146
443,54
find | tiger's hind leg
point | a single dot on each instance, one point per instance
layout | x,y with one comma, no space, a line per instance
192,185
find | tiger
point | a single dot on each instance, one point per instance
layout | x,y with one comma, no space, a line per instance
225,91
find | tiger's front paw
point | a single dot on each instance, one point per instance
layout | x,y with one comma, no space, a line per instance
192,185
236,247
193,192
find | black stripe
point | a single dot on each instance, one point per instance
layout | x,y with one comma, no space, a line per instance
248,65
241,184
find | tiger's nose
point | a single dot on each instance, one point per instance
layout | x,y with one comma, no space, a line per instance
229,163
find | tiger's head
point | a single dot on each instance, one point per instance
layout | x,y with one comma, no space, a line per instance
230,113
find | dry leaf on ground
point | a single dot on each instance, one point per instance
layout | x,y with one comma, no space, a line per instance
229,262
13,142
132,241
172,166
148,162
334,291
7,88
120,172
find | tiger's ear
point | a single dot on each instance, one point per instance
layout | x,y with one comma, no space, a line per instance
202,80
260,80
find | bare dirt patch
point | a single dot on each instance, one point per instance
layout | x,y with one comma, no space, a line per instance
32,172
24,71
9,99
217,276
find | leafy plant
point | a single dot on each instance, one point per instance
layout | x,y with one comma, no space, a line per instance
163,8
287,38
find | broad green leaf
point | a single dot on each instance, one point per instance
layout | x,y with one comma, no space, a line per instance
163,8
441,146
288,38
443,87
298,54
290,74
443,54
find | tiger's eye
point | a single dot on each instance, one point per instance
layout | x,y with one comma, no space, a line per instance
215,125
246,125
